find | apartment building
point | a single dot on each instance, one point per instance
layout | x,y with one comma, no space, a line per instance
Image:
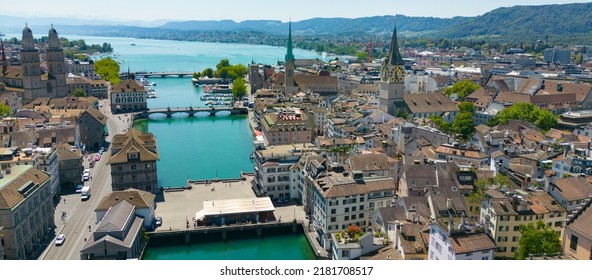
26,210
504,215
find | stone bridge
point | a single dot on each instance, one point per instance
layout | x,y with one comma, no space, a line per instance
191,111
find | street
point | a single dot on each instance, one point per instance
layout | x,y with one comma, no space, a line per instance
80,214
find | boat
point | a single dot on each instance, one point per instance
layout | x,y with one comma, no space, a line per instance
151,94
132,44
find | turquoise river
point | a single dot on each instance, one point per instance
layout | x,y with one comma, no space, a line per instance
201,147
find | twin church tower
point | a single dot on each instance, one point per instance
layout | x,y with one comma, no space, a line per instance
34,82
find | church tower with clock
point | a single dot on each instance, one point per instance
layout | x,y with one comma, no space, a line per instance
392,77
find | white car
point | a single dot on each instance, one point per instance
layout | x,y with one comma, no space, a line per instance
86,175
60,239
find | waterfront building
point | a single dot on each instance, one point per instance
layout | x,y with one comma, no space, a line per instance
577,235
117,237
462,242
504,215
144,205
127,97
287,126
133,161
272,169
392,86
26,210
233,211
69,165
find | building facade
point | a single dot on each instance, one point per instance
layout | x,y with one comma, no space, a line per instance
133,161
27,216
128,96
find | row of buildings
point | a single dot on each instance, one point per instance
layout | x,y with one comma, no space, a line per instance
366,155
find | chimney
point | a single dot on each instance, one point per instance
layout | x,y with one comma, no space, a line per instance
450,224
398,227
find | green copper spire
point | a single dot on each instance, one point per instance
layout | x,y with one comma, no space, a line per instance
394,57
290,54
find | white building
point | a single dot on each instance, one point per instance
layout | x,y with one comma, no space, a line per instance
341,199
461,243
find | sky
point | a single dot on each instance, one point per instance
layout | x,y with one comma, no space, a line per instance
239,10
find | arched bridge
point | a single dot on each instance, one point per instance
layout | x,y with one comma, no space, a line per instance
161,74
191,111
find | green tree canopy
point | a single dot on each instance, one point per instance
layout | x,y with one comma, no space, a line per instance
108,68
78,93
208,72
239,88
528,112
464,126
5,110
537,240
443,125
467,107
462,89
362,56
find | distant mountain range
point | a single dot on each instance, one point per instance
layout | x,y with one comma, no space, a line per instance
567,23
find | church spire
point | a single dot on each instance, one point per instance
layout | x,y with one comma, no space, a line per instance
290,54
394,57
4,61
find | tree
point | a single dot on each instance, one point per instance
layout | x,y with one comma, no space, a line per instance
462,89
223,63
467,107
362,56
196,75
108,68
239,88
537,240
208,72
501,180
480,186
528,112
579,59
463,126
78,93
443,125
5,110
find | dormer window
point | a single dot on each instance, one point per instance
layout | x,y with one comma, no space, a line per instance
132,156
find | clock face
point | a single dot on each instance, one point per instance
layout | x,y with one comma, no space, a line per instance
399,74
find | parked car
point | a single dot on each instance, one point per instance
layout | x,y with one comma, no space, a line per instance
79,188
158,221
60,240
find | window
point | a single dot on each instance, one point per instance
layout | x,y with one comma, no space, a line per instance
361,215
353,209
346,209
516,228
333,219
484,258
514,238
333,211
573,243
514,249
346,218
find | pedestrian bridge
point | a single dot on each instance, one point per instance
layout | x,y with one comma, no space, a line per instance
191,111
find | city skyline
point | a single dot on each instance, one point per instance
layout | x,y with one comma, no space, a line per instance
252,10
